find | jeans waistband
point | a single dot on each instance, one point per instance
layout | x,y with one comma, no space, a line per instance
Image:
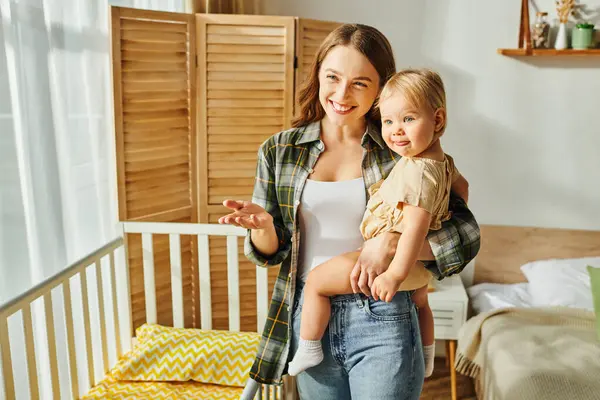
335,299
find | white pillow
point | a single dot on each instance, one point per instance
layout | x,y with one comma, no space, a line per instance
561,282
486,297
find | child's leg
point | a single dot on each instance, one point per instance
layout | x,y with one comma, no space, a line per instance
328,279
426,326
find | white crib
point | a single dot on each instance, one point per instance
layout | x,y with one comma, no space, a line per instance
108,268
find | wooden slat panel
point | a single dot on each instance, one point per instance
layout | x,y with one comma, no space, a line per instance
151,56
245,130
225,148
246,75
130,87
241,30
245,112
149,100
245,85
153,36
154,47
232,156
224,183
244,49
154,56
246,94
246,67
139,25
243,58
244,39
226,103
156,76
242,121
309,36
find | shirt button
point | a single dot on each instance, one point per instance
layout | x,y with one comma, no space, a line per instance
297,202
311,170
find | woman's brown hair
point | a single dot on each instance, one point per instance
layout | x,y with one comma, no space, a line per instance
368,41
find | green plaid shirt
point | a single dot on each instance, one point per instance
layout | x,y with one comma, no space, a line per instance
285,161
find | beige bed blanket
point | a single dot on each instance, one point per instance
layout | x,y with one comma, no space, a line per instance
531,353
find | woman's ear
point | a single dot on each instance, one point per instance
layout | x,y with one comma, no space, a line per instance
440,120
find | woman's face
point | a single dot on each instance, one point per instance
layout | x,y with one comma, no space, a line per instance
348,85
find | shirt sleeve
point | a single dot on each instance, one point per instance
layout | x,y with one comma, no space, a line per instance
265,195
414,182
456,243
454,172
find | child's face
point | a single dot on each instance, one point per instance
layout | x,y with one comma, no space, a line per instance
406,129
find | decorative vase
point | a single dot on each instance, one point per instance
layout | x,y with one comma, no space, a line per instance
561,37
582,36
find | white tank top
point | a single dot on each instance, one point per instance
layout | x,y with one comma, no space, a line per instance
329,214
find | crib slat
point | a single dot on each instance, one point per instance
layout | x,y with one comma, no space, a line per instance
113,286
103,333
233,285
149,285
268,391
7,368
126,278
85,304
34,390
205,295
259,395
51,335
176,281
71,340
262,297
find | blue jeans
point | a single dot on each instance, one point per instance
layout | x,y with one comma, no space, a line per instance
372,350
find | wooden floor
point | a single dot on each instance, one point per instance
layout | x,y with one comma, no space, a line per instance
438,386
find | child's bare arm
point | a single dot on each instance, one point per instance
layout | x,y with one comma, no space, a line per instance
416,222
461,187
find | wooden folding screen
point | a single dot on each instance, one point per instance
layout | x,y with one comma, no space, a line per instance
195,96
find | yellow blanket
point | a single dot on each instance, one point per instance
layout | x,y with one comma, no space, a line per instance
531,353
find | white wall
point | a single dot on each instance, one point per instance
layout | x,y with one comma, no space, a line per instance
524,132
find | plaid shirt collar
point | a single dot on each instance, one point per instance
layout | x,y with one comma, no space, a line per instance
312,133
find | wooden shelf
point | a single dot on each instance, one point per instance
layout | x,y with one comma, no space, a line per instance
548,52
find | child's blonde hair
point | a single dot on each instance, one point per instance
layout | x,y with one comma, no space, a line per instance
421,87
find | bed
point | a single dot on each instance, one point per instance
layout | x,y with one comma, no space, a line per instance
75,330
533,335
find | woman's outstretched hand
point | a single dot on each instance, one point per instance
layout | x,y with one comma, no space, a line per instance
246,215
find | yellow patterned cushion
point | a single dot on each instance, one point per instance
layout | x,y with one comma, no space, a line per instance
177,354
109,388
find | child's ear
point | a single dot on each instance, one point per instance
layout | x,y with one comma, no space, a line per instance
440,119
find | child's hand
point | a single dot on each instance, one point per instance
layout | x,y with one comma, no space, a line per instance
385,286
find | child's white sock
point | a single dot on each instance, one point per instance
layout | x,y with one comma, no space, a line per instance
429,355
309,354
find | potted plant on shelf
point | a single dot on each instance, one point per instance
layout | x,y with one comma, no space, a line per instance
582,36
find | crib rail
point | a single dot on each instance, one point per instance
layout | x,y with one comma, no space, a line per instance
202,231
24,305
120,307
